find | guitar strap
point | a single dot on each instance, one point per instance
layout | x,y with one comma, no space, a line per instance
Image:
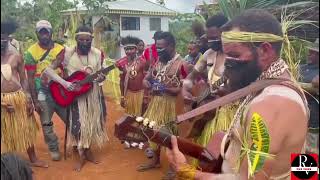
45,54
232,97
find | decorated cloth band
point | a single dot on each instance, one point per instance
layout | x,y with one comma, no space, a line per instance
238,36
130,45
84,33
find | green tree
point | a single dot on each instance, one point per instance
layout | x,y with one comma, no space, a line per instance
28,13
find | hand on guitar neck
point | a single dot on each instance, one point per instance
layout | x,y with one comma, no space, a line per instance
216,90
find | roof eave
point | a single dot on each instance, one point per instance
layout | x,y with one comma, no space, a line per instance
125,12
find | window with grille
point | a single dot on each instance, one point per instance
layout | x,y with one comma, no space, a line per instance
155,24
130,23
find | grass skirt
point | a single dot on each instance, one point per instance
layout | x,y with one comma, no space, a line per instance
18,130
134,102
220,122
162,110
89,116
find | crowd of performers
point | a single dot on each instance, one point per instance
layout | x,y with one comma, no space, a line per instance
151,82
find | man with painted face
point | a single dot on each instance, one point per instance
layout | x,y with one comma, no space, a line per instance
88,113
133,69
252,58
37,58
163,80
18,124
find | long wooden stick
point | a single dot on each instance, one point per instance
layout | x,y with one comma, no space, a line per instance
254,87
66,134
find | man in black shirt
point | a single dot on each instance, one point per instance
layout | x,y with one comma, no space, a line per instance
309,73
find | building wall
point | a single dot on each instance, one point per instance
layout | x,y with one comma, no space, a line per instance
144,33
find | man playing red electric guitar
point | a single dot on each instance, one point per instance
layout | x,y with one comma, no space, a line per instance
87,112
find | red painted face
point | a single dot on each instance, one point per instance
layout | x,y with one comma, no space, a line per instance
130,51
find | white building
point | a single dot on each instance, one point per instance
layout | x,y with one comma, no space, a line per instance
140,18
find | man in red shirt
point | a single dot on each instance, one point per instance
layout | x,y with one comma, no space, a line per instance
152,50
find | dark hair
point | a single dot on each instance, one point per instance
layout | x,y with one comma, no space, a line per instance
130,40
8,27
257,20
157,34
198,29
195,43
168,37
84,29
217,20
14,168
140,40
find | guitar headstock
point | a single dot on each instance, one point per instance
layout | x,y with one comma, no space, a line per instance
129,128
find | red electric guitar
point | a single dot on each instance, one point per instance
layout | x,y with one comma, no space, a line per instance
64,97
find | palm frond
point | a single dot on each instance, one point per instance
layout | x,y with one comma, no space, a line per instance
289,22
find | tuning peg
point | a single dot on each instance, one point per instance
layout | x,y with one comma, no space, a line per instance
127,144
152,124
145,121
139,119
134,144
141,145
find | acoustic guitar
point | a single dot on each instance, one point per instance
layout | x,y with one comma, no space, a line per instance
193,127
63,97
128,129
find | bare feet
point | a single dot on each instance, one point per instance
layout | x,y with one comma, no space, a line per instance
82,160
79,165
154,163
89,157
35,162
148,166
38,163
71,152
170,175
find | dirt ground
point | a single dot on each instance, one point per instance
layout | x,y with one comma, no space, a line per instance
115,161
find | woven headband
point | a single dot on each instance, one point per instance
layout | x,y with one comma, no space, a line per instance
83,33
130,45
236,36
